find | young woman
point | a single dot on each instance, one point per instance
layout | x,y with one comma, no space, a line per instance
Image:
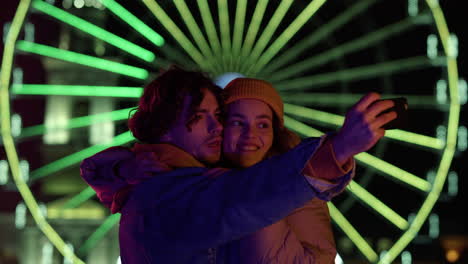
253,131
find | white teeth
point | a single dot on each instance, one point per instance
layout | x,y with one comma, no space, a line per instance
249,148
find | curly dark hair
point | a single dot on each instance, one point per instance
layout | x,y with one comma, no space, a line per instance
162,102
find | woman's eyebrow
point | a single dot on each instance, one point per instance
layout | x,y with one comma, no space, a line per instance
263,116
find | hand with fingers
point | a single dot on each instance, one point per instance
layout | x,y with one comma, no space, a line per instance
362,127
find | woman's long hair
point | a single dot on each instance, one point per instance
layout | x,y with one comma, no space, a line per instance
283,139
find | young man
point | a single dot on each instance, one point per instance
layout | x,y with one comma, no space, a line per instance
185,212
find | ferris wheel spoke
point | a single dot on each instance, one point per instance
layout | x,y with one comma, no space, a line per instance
195,31
94,30
82,121
238,27
267,33
376,205
415,138
210,27
252,31
175,55
315,115
352,233
317,36
335,120
82,59
76,90
178,35
225,30
79,199
359,73
339,51
224,26
287,34
301,128
77,157
98,234
388,169
148,33
133,21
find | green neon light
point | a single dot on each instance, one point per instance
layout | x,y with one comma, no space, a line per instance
77,122
239,27
377,205
7,139
337,120
93,30
193,28
301,128
344,99
415,138
270,29
224,25
358,73
312,114
175,55
315,37
287,34
450,148
97,235
254,25
80,198
134,22
209,26
360,43
184,42
352,233
225,31
77,157
77,90
393,171
82,59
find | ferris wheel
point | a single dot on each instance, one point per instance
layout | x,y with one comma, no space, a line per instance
322,56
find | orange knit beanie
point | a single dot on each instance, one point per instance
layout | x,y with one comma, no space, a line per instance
248,88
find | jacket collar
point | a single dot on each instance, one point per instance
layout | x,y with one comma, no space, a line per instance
169,155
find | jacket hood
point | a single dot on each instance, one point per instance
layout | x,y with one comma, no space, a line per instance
99,172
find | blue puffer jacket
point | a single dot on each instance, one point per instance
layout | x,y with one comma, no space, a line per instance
190,215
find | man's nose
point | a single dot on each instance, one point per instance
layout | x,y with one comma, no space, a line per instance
215,127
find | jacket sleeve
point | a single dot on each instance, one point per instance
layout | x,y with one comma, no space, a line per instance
325,175
185,209
311,224
99,172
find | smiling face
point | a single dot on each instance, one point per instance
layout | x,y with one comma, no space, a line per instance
248,132
198,133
